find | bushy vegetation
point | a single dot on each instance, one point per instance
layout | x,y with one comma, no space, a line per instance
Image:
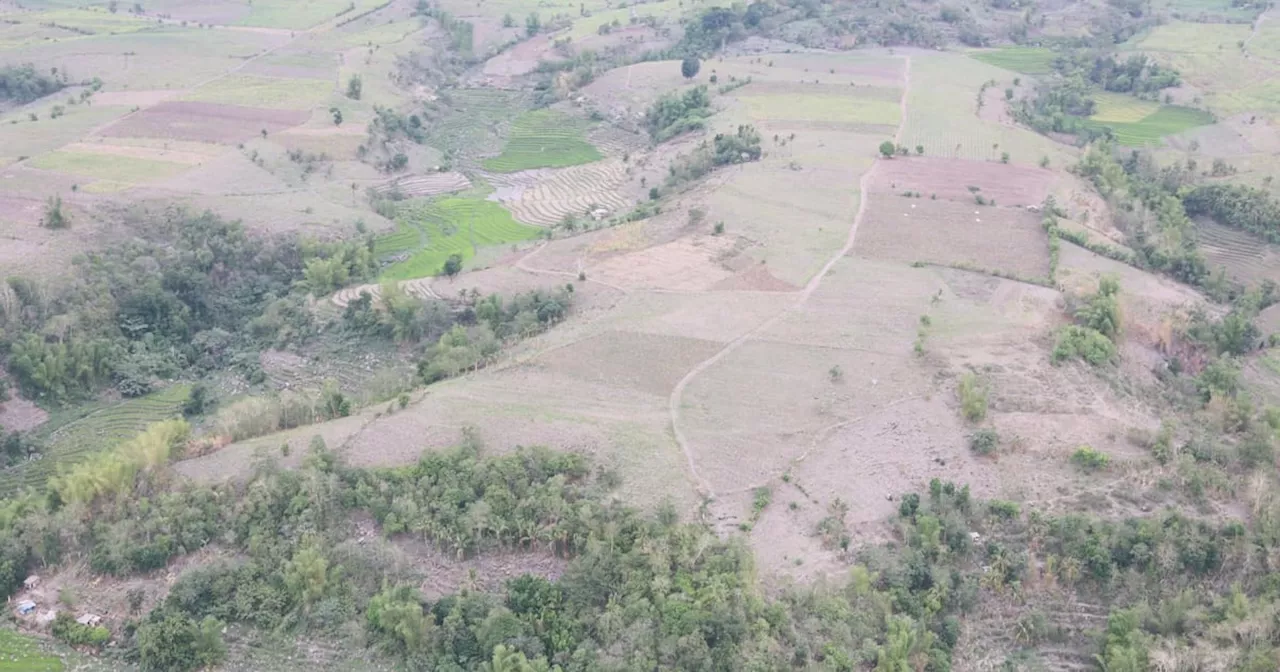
674,114
1089,345
23,83
183,297
973,397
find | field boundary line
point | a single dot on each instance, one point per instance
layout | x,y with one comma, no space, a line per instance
675,400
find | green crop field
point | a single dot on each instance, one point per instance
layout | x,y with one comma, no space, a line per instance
19,653
1117,108
432,230
270,92
99,430
590,25
544,139
108,167
1027,60
1167,120
30,138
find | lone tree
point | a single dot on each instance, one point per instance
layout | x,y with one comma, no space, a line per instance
453,266
355,86
887,149
54,218
690,66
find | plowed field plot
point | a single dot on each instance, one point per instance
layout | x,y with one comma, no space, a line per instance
953,179
545,197
1246,258
688,264
825,107
1008,240
205,122
544,139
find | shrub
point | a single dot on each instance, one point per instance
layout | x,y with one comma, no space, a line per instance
984,441
1090,345
973,397
68,630
1003,509
1089,459
887,149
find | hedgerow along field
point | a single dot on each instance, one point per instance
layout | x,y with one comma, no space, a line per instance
1149,130
1027,60
544,139
99,430
431,231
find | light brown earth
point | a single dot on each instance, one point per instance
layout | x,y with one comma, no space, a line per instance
204,122
951,179
950,233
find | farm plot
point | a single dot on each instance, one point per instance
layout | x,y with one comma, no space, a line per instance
942,115
166,57
99,430
116,168
1027,60
269,92
475,121
419,186
545,197
428,233
994,239
80,22
204,122
20,653
303,14
687,264
21,137
1149,130
957,180
544,139
824,108
1245,257
1118,108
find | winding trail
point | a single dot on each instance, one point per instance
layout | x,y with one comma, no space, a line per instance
705,489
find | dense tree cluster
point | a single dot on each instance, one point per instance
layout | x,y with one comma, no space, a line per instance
1236,205
23,83
184,296
673,114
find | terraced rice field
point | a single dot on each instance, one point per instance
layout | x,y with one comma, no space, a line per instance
1149,130
1245,257
544,139
545,197
476,121
428,232
419,186
1027,60
120,169
274,93
99,430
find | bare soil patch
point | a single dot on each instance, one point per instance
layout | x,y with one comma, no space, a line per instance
756,278
1008,240
19,415
646,362
134,98
689,264
519,60
206,122
444,573
951,179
